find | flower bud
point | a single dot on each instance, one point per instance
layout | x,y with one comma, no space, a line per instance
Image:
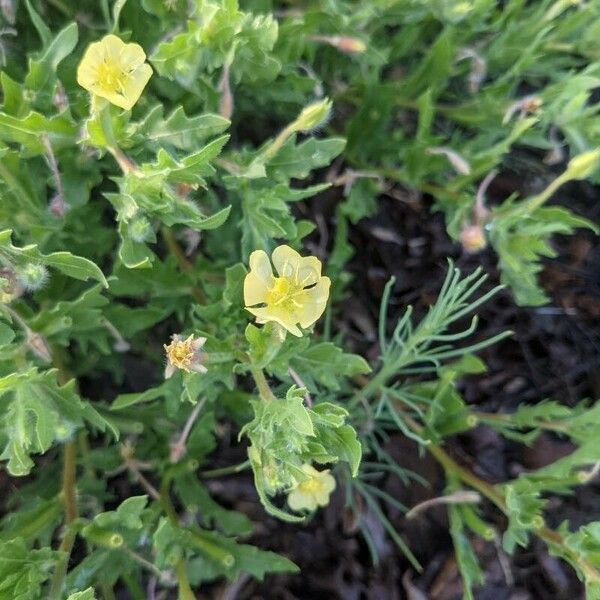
583,165
472,238
32,276
37,344
9,11
57,206
313,115
10,288
140,229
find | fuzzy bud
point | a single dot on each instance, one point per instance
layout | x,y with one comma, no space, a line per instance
32,276
140,229
472,238
313,115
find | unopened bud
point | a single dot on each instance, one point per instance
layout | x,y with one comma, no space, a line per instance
57,206
32,276
226,102
140,229
8,10
59,100
38,345
459,164
524,106
343,43
312,116
472,238
10,288
583,165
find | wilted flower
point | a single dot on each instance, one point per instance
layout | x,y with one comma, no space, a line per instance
472,238
114,70
312,492
297,296
185,355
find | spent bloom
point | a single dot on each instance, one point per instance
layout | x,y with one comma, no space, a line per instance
184,354
312,492
114,70
297,295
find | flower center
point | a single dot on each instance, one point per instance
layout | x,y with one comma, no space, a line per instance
180,354
110,77
310,486
283,292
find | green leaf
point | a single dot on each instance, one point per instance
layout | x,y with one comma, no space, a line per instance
298,160
65,262
43,68
29,131
466,559
23,571
36,412
324,363
179,130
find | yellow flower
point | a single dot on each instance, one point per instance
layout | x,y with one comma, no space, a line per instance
312,492
185,355
114,70
297,296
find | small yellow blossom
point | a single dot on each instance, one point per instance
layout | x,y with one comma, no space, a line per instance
312,492
185,355
114,70
297,296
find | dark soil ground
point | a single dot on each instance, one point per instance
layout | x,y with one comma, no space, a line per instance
552,354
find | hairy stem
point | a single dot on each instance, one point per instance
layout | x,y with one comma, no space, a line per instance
261,383
69,499
184,264
185,590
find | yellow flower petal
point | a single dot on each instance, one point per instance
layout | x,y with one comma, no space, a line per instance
114,70
264,315
298,296
259,279
286,261
299,501
313,491
314,302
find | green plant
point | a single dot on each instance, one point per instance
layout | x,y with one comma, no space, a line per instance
107,172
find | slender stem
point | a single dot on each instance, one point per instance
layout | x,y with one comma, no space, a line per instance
261,383
178,448
68,495
226,470
53,164
502,418
184,264
107,591
276,144
185,590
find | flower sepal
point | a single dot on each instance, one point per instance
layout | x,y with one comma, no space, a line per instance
264,343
